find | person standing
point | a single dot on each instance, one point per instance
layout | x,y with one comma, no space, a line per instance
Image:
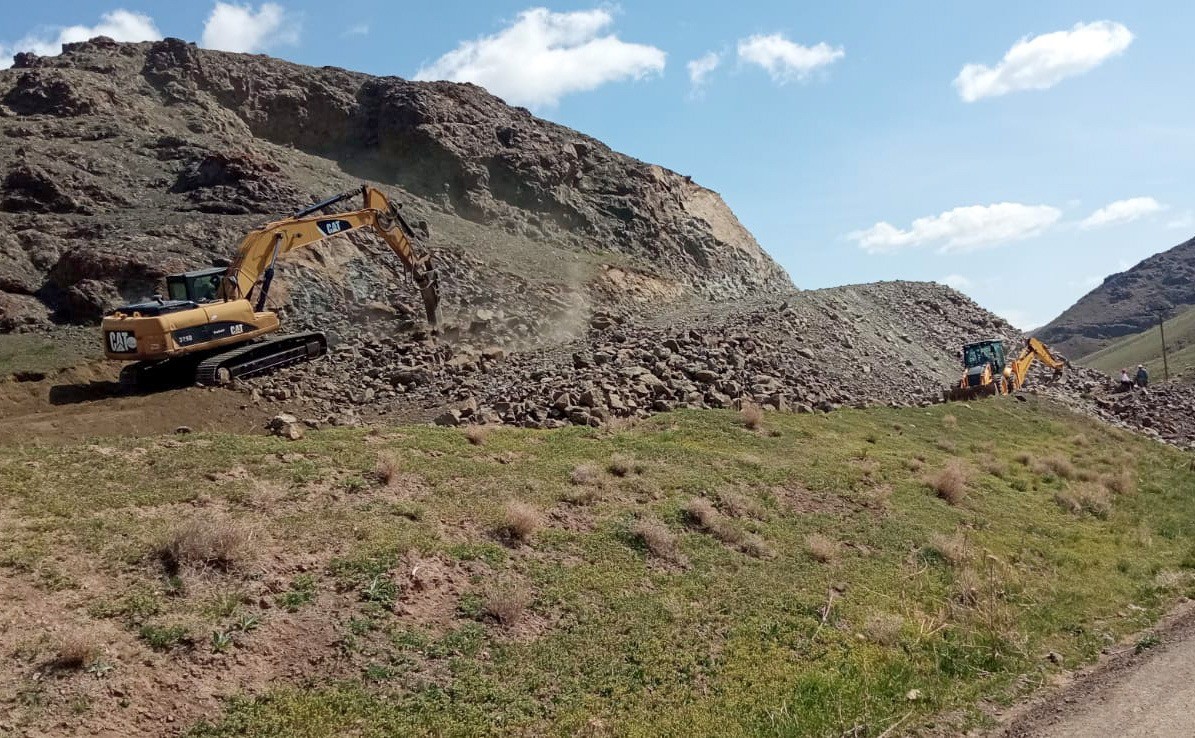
1142,376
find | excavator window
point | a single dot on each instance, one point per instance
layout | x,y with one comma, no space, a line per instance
199,286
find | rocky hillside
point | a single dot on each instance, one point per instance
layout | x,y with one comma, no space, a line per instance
1126,303
120,163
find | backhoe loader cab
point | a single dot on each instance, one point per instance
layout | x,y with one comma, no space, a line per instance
980,355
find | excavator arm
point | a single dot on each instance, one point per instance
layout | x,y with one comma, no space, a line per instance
252,271
1035,350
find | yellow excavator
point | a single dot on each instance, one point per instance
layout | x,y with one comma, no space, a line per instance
988,373
213,325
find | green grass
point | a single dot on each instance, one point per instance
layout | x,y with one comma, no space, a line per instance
1146,348
614,641
39,355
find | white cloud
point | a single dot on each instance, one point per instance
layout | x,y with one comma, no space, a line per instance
1122,211
962,229
543,56
1185,220
119,25
701,68
1043,61
361,29
784,60
957,281
1020,319
239,28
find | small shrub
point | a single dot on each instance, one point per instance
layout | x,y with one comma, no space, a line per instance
506,603
883,629
950,483
995,468
1121,483
164,638
77,651
387,470
476,435
752,416
583,474
821,548
521,521
950,422
914,464
1085,498
950,548
216,544
656,538
580,496
1024,459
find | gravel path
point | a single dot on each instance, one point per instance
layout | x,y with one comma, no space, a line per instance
1127,695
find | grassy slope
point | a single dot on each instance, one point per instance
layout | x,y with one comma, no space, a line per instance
31,353
1146,348
616,641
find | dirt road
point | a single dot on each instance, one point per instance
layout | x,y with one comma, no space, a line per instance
1128,695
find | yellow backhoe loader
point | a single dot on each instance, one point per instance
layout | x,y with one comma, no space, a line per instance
213,325
987,372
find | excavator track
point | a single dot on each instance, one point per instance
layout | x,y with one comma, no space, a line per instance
260,357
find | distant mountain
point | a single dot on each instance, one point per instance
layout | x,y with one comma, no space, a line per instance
1126,303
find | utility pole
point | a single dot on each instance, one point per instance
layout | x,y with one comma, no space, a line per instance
1165,363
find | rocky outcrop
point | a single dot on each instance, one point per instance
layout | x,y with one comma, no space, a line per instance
164,154
1126,303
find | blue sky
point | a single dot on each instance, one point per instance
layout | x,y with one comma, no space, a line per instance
820,123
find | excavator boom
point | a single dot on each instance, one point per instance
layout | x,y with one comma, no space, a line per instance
215,325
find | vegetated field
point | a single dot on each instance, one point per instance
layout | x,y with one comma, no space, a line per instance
819,575
34,354
1146,348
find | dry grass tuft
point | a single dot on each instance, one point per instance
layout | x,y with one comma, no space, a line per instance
77,651
1121,483
476,435
1024,458
946,445
584,474
914,464
656,538
950,421
506,603
701,513
1079,440
622,465
880,495
950,483
821,548
211,543
1085,498
580,496
387,469
883,629
752,416
740,506
967,587
950,548
995,467
755,546
1060,466
521,521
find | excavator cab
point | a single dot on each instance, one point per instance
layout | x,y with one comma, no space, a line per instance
199,286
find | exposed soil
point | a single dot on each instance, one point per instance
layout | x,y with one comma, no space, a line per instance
1131,692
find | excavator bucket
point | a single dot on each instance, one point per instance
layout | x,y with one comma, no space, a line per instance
960,394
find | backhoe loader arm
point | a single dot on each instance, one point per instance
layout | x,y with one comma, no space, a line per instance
253,269
1035,350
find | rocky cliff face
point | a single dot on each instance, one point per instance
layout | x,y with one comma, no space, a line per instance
1126,303
124,162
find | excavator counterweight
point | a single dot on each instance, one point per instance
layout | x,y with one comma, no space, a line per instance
213,326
